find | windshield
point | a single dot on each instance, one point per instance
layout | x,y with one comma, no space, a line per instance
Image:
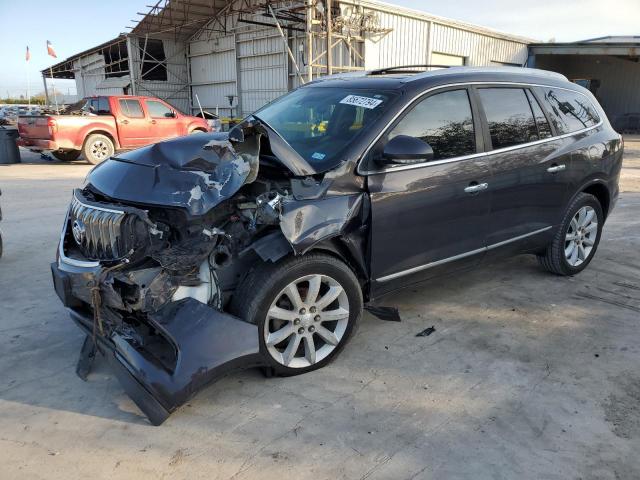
320,123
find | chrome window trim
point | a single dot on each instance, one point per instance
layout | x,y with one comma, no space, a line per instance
399,168
460,256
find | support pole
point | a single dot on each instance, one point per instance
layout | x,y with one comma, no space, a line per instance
329,38
310,40
53,84
46,90
132,79
286,44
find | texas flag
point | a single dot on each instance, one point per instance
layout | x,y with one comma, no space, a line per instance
28,55
50,50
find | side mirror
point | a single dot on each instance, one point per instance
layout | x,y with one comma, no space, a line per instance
404,149
170,114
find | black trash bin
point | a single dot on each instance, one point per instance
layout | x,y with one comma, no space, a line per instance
9,152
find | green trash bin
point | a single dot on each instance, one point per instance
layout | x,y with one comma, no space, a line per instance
9,152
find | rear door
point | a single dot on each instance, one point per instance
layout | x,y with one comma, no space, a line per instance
530,179
433,214
133,126
163,123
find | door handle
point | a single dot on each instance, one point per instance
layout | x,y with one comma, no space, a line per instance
556,168
476,187
152,121
125,122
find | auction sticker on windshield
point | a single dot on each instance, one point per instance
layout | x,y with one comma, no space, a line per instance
358,101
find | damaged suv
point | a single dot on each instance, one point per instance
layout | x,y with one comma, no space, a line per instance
189,258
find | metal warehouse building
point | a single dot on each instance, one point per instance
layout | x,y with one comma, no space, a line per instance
235,56
608,66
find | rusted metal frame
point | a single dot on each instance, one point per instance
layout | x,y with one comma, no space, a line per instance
159,62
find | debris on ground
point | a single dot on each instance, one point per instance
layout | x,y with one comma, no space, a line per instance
389,314
426,332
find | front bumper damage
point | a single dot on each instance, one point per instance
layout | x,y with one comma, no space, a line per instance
155,245
207,344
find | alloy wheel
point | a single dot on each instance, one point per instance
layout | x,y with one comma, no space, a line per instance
581,236
99,150
306,321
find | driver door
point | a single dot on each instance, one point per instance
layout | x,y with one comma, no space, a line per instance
431,215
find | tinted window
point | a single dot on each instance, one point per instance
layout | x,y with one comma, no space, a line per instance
321,123
131,108
509,116
442,120
569,111
158,110
544,129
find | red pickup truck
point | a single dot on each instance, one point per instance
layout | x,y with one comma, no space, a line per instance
103,125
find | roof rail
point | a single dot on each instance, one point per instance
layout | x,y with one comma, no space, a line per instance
404,69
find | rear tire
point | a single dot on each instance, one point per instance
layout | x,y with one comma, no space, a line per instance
97,148
66,155
311,331
576,241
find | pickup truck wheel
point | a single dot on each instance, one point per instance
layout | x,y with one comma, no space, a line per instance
306,309
66,155
577,239
97,147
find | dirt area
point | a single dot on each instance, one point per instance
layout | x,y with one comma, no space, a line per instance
526,376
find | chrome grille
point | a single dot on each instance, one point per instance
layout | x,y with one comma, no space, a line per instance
100,233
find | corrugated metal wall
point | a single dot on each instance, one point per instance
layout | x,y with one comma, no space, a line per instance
412,40
478,49
619,79
251,60
175,90
406,44
262,65
252,56
213,72
89,73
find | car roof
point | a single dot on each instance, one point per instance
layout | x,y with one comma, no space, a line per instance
403,79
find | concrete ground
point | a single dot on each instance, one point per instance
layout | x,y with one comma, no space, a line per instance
527,375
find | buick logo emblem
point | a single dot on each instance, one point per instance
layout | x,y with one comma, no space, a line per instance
79,231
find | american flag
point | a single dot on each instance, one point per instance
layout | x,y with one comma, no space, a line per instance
50,50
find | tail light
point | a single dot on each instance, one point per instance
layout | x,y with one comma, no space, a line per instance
53,125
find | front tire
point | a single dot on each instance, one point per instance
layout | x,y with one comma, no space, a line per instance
577,239
97,148
306,309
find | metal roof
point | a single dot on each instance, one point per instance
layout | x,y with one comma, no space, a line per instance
613,39
178,19
64,68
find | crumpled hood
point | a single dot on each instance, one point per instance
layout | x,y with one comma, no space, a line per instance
196,172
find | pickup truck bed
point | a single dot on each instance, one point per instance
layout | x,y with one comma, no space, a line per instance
104,125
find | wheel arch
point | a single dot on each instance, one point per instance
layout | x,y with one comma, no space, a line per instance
101,132
339,248
600,190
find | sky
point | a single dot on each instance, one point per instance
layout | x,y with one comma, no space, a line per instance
74,25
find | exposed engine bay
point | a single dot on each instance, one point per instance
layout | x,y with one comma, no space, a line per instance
158,239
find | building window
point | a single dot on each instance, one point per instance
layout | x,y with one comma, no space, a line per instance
154,60
116,63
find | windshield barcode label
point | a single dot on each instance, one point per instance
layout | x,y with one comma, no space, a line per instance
364,102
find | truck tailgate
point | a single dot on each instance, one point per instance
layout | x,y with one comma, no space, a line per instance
34,127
